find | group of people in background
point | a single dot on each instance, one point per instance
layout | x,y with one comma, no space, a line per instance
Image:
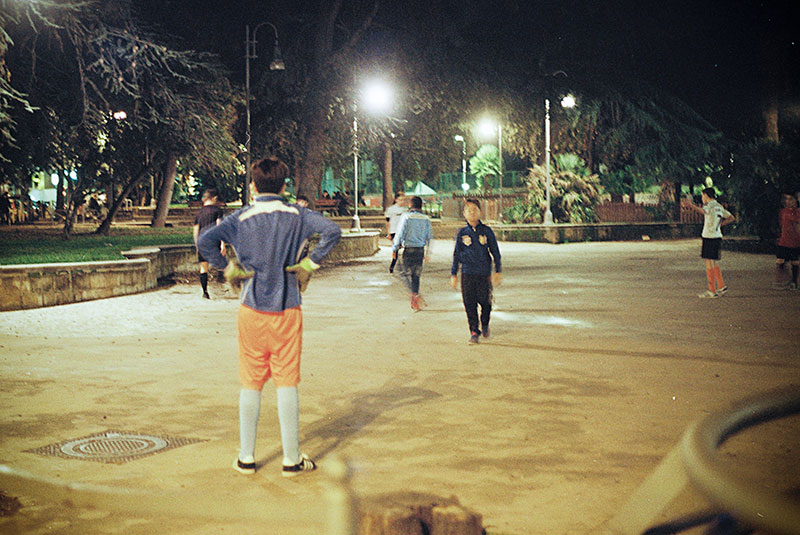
14,211
476,255
716,216
269,235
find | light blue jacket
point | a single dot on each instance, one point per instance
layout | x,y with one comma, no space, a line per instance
414,230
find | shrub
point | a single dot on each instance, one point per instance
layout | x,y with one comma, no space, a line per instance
574,193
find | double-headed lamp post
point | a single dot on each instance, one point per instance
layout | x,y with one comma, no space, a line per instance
566,102
377,98
276,64
460,138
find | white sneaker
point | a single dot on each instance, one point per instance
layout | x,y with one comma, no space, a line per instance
721,291
244,468
305,465
708,294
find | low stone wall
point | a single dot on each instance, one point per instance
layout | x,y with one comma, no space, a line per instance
40,285
352,245
597,232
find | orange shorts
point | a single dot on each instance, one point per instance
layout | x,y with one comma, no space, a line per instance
269,346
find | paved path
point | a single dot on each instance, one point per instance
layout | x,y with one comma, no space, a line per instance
601,355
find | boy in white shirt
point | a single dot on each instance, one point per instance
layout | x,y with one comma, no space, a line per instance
716,216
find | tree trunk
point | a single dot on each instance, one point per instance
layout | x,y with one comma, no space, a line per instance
309,172
770,115
388,182
60,192
310,168
76,200
677,196
165,193
105,226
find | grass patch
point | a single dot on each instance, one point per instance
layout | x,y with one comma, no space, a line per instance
44,245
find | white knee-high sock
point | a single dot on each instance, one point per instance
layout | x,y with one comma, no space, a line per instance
249,408
289,416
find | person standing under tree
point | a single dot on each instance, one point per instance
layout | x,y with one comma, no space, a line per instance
393,215
208,215
715,217
475,249
788,243
414,233
268,236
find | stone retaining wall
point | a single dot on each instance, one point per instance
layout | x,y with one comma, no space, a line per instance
597,232
39,285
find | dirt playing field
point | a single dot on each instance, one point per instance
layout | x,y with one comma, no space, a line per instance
601,355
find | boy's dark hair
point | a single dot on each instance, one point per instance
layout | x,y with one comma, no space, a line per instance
476,202
416,202
711,193
269,175
398,195
210,193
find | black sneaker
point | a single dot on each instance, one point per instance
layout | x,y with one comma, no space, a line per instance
485,331
206,296
474,338
244,468
305,465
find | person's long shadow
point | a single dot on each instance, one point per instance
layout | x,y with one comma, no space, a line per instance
329,432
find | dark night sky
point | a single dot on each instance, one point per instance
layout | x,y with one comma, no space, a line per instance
710,53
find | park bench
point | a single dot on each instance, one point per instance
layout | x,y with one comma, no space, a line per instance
326,205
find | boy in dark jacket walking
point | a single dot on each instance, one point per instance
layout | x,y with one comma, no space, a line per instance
476,248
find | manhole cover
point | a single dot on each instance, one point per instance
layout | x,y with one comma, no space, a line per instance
113,446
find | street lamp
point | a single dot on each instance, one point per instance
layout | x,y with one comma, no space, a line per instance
464,185
377,98
488,127
566,102
276,65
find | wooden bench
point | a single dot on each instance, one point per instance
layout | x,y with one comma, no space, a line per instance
326,205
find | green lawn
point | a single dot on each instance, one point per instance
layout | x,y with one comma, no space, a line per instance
44,245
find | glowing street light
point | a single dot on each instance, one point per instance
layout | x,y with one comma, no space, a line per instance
377,97
276,64
487,128
566,102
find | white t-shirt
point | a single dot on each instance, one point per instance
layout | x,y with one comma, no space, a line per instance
715,213
393,214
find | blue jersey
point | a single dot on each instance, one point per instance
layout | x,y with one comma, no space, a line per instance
269,235
474,251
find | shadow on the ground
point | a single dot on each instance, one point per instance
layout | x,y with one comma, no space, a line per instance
329,432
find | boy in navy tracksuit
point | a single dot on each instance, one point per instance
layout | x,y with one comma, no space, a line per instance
476,247
269,236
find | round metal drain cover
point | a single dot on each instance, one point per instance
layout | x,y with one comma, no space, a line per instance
111,445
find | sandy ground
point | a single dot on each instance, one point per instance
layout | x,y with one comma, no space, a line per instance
601,355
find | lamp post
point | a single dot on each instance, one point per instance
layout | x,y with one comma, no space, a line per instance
488,127
464,185
377,97
275,65
356,221
566,102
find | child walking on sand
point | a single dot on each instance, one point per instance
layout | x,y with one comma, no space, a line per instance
475,249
